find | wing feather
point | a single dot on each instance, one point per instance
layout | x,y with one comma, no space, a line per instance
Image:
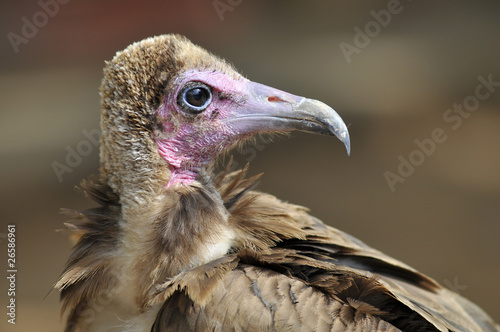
288,271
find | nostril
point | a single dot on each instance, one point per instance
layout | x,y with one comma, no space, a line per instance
274,99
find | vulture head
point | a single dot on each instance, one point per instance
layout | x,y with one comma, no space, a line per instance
170,108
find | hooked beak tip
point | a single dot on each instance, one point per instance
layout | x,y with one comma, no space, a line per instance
331,122
347,142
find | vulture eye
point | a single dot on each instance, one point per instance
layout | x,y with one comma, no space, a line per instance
195,97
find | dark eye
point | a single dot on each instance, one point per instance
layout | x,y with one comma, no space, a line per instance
195,97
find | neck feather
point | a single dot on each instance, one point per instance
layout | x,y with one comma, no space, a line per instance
127,251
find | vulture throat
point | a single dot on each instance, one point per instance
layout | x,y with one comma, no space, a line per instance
174,246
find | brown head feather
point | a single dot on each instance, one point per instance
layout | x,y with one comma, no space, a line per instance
135,84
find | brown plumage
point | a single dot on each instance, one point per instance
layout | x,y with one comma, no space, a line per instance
173,247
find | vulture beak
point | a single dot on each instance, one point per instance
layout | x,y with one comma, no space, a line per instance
271,110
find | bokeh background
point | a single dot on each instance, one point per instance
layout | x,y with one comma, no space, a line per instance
395,89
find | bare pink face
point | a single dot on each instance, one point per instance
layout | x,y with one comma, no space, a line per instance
208,112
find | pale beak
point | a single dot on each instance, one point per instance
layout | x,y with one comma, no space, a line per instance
271,110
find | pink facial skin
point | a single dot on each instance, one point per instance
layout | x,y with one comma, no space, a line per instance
189,141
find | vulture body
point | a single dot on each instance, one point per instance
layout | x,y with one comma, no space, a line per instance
174,247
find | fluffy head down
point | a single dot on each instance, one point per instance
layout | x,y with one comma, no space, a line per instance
135,85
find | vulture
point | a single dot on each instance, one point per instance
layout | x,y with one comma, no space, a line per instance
174,245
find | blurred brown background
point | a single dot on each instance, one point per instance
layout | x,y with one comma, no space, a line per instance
443,219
